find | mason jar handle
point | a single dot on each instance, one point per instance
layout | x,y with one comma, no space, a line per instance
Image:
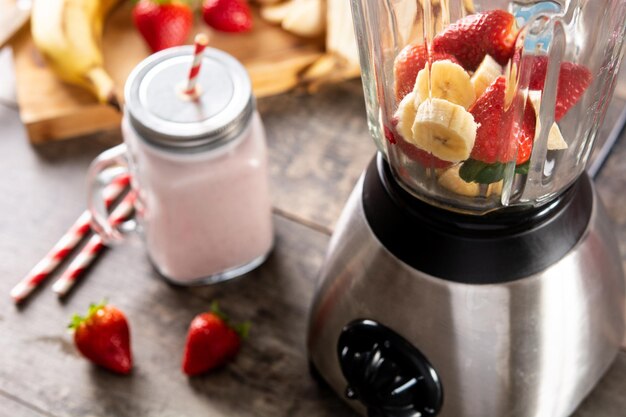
107,168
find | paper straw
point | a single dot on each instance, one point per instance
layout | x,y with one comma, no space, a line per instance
66,244
201,41
93,248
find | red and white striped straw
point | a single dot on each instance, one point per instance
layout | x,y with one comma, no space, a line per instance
92,249
66,244
201,41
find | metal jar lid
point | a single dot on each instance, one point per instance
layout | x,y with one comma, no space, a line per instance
164,116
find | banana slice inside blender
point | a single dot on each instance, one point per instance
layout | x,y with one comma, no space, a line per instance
445,80
486,73
451,180
556,142
444,129
406,116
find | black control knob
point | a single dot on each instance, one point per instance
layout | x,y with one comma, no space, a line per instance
386,373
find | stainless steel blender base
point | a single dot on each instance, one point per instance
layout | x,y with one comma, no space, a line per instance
531,347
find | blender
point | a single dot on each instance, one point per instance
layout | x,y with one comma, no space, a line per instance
473,271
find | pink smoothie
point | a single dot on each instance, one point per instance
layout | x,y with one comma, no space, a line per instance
206,213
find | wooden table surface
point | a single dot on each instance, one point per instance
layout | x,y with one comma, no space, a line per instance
318,146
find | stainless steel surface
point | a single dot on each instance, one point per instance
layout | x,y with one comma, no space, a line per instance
532,347
160,111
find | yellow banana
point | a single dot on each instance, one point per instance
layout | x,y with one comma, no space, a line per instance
68,33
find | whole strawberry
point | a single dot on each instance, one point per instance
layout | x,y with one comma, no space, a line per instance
103,337
163,23
227,15
211,342
473,37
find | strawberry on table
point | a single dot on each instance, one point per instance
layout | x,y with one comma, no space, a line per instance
163,23
103,337
574,79
227,15
410,61
473,37
211,342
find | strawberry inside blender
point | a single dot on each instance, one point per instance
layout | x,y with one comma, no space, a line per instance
460,110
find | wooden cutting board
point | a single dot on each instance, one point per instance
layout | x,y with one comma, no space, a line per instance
52,110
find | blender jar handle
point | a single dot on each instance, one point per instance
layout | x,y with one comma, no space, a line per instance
109,167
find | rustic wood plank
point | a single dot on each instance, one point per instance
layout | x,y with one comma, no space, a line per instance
39,364
319,145
13,407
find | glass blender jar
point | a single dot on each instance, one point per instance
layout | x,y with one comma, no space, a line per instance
554,62
474,272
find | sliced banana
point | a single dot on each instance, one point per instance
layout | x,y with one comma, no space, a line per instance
444,129
447,81
486,73
556,142
406,116
450,180
512,80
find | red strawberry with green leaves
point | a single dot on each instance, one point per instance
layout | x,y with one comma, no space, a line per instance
409,62
471,38
413,152
573,81
227,15
163,23
103,337
211,342
493,142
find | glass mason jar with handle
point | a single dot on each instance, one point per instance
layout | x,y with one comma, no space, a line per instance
480,105
198,165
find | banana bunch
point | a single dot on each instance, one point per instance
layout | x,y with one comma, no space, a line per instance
68,33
